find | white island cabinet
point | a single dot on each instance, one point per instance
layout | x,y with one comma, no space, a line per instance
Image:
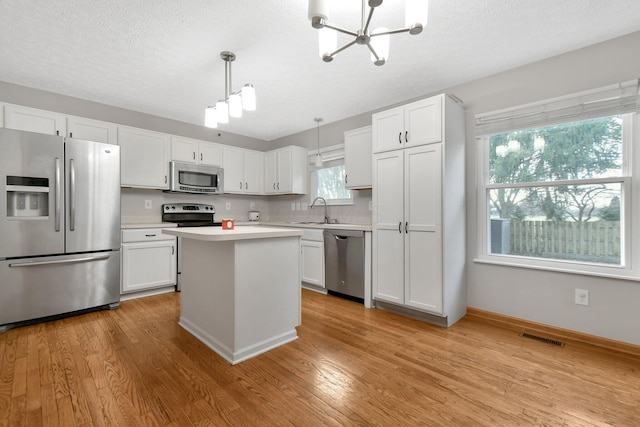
240,288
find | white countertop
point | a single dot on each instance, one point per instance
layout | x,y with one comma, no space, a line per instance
319,225
217,234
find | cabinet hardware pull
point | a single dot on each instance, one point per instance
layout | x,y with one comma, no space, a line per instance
278,186
346,181
400,227
150,235
400,138
241,185
274,185
173,250
246,185
194,155
165,179
406,136
70,134
406,227
200,156
58,132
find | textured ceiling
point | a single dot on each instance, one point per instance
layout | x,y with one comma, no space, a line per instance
162,57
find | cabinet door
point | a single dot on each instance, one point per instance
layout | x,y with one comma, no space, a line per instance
423,235
270,172
34,120
312,262
210,153
423,122
357,158
284,184
388,227
388,130
233,164
92,130
184,149
253,172
148,265
144,158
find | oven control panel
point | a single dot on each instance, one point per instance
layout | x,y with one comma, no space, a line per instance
188,208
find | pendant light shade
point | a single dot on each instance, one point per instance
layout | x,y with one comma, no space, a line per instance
328,41
416,15
222,112
318,12
249,98
380,46
210,117
234,103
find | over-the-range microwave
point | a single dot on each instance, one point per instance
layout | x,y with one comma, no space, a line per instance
195,179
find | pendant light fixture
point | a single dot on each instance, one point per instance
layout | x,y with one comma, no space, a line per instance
234,102
416,12
318,156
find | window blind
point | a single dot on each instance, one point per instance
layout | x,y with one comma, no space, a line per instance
610,100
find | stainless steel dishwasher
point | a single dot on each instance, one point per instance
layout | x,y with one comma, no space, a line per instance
344,263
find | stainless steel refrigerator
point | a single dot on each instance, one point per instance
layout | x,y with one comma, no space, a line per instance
59,226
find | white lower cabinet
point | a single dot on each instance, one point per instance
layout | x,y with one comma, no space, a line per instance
312,259
149,260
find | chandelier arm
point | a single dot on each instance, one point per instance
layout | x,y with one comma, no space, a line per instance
342,30
366,26
351,43
398,31
373,51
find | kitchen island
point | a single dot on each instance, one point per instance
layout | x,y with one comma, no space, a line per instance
240,288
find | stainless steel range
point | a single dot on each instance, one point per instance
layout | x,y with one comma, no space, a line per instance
188,215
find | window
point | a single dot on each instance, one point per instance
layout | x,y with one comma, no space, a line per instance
555,183
327,181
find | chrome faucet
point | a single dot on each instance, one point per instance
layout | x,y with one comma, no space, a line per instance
326,213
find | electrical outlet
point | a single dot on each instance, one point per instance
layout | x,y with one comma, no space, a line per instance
148,204
252,205
228,206
582,297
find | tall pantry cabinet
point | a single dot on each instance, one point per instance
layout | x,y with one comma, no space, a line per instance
419,209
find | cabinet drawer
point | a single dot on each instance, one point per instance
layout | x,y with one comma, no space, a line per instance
314,235
144,235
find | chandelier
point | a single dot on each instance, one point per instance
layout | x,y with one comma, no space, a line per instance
377,41
233,102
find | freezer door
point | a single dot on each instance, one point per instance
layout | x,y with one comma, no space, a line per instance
31,194
93,196
32,288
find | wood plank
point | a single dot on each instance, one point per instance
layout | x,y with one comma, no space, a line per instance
350,366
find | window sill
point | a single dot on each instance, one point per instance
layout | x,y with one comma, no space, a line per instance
613,272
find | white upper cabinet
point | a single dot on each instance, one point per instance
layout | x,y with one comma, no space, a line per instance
92,130
243,170
34,120
357,158
196,151
144,158
411,125
285,171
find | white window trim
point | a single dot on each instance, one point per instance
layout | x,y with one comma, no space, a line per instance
630,268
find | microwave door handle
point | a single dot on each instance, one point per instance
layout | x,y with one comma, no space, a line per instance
72,195
58,195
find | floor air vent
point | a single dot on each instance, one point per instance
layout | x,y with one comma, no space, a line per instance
542,339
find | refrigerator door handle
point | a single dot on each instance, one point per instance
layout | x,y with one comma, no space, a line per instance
72,195
64,261
58,194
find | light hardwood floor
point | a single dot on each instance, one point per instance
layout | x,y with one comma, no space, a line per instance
350,366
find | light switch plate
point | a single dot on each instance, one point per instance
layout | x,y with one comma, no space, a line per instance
148,204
